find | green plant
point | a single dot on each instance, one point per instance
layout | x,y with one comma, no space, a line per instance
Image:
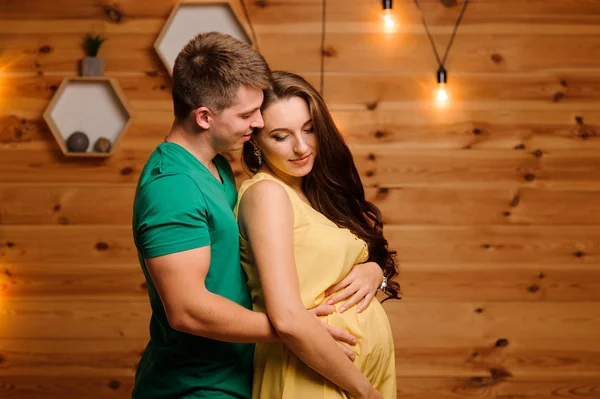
92,43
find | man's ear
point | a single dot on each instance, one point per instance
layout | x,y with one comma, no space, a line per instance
202,117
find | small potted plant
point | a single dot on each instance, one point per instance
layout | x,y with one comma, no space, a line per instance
92,65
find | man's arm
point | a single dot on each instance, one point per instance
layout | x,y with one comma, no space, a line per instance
191,308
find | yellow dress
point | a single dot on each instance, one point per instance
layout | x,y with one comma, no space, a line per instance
324,254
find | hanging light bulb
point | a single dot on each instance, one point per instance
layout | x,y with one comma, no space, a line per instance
442,94
388,19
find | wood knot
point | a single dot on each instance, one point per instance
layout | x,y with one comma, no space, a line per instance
501,343
370,173
371,157
2,359
538,153
533,288
529,177
45,49
162,87
53,88
144,286
10,244
520,147
126,171
486,246
506,213
515,201
579,120
383,191
448,3
379,134
474,382
541,275
113,14
579,254
57,208
563,83
261,3
329,52
114,384
8,273
372,106
152,74
497,58
101,246
499,373
558,96
474,354
477,131
478,310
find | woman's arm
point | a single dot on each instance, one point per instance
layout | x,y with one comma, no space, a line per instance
266,218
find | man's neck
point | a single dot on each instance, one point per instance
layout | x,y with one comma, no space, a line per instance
196,144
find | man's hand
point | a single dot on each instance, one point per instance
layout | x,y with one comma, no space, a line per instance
337,334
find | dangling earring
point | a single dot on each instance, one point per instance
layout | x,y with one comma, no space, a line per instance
257,153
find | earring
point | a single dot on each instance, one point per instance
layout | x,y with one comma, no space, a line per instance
257,153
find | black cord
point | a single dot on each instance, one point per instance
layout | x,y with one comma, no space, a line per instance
442,61
247,15
323,30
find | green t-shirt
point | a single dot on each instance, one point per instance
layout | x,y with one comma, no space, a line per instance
179,205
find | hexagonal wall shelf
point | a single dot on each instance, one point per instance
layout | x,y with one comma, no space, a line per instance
189,19
95,106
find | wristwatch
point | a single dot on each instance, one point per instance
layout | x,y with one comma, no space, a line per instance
383,284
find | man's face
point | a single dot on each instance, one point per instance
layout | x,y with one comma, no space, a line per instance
234,125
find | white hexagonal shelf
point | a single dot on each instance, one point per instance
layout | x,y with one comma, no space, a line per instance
95,106
189,19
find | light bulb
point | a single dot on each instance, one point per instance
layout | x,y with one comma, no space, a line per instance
442,94
388,19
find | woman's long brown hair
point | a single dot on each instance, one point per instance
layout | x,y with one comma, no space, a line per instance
333,187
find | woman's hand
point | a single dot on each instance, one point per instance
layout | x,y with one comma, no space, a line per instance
361,283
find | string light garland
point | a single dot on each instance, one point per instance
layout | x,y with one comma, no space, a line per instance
442,76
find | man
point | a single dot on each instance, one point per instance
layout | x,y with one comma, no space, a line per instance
187,236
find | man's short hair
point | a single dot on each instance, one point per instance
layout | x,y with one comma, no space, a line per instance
209,71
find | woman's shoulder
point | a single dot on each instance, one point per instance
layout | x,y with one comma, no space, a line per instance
268,189
267,183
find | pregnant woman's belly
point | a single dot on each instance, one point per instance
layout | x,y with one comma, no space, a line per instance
371,328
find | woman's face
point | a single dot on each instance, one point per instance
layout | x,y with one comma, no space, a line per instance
287,141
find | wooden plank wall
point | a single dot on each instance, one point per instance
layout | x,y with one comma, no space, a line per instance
493,203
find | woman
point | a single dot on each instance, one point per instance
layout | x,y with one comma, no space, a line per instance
304,222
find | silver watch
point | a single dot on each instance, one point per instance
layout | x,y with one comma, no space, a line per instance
383,284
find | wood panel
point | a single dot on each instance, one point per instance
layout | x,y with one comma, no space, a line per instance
555,12
424,244
120,357
497,386
527,326
486,206
52,387
109,280
111,204
381,166
420,282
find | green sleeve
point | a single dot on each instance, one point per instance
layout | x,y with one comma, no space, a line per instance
172,216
